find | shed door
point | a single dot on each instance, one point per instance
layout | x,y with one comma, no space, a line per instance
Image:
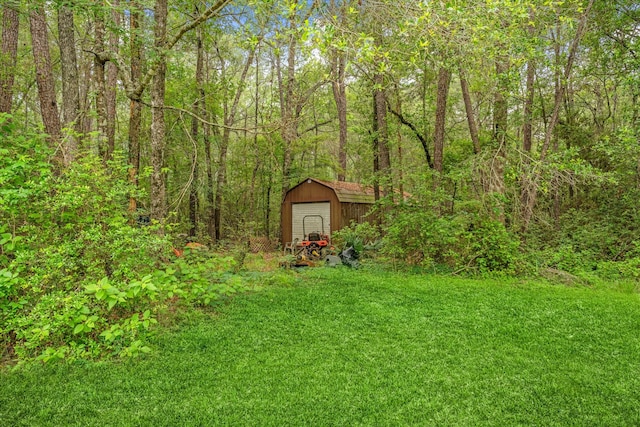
310,217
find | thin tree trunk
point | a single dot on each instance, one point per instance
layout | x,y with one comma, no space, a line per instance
500,118
44,79
444,80
99,82
468,106
531,198
193,193
85,70
256,167
340,98
70,80
111,85
135,107
8,56
158,185
399,142
338,66
289,122
382,134
375,148
201,77
527,128
291,101
224,143
558,88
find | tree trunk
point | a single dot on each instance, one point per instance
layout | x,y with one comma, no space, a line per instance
158,185
224,143
532,189
289,121
444,80
338,65
340,97
111,84
527,128
70,80
197,106
468,106
527,132
8,56
99,82
382,135
44,80
500,117
258,160
375,148
201,107
135,107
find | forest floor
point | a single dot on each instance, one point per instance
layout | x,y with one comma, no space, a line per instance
345,347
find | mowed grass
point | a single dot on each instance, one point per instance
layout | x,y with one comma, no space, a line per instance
360,348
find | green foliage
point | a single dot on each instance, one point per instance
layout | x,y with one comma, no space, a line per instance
80,279
463,241
24,168
361,237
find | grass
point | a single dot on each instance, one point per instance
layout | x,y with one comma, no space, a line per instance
360,348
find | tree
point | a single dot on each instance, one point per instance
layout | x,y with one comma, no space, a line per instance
70,79
135,106
8,55
45,82
158,188
444,79
532,189
338,61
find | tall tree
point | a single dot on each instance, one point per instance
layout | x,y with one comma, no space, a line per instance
45,81
111,82
99,76
230,111
500,123
532,190
158,87
8,55
338,60
70,79
201,108
468,107
292,96
444,80
135,106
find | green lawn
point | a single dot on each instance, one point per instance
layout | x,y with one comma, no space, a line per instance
361,348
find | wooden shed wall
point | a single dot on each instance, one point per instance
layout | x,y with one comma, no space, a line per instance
353,212
309,192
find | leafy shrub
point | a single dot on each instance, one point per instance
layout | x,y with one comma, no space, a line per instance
462,241
80,279
420,237
359,236
493,248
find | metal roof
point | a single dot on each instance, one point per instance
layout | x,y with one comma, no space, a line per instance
349,192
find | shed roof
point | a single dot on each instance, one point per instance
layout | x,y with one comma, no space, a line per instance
348,192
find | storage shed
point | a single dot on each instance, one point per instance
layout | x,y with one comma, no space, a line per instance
324,206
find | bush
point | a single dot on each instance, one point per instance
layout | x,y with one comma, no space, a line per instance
359,236
80,279
462,241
